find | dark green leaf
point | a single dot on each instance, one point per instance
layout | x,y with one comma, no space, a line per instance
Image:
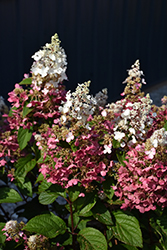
44,185
165,125
89,202
9,195
58,190
82,224
115,143
121,156
101,213
63,144
24,135
25,186
76,219
74,192
48,225
162,222
107,188
23,169
26,81
2,237
46,197
91,239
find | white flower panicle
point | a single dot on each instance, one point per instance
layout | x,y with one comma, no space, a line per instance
135,72
159,138
80,104
50,62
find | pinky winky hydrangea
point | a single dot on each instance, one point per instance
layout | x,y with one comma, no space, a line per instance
84,173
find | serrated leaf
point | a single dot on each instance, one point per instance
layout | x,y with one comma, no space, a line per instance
44,185
26,81
101,214
46,198
48,225
9,195
91,239
23,169
24,135
127,229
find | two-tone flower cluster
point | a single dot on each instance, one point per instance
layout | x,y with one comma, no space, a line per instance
80,139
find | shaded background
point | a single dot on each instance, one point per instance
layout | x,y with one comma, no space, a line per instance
102,39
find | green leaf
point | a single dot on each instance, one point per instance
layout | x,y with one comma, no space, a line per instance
11,111
25,165
107,188
58,190
25,185
127,229
121,157
89,202
109,234
9,195
2,237
101,213
91,239
82,224
48,225
39,178
24,135
44,185
26,81
74,192
76,220
26,110
165,125
115,143
162,222
46,198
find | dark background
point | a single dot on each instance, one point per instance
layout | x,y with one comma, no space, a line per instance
102,39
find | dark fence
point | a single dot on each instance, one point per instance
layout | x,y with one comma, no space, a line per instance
102,39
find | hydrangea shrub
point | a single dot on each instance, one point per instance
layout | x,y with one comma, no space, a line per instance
84,173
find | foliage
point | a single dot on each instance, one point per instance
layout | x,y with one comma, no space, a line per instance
83,174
